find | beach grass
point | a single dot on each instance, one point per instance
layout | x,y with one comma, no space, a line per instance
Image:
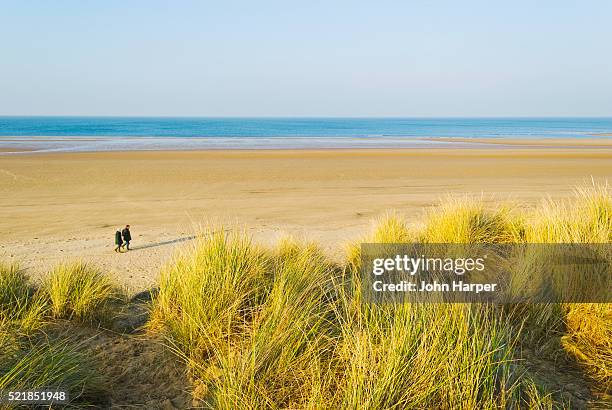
78,291
285,340
587,328
287,327
32,358
205,296
47,363
297,334
466,219
21,307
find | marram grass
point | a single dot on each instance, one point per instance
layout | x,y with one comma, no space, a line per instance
587,328
421,355
21,307
390,228
285,341
468,220
79,291
30,359
286,328
207,296
585,219
14,289
47,363
589,339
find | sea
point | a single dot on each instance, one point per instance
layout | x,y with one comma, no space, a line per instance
150,133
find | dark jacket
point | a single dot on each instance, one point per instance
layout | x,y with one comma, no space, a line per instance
118,240
126,234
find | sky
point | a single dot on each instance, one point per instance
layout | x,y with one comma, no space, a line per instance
306,58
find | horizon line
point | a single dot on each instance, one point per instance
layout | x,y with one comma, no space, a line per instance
309,116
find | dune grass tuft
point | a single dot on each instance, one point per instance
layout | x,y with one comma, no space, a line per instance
276,360
29,359
80,292
586,328
389,228
468,220
587,218
14,288
424,356
595,207
589,339
421,355
21,306
51,363
208,295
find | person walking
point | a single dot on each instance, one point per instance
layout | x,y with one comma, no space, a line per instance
118,241
127,237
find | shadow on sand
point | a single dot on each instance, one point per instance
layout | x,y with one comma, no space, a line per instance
153,245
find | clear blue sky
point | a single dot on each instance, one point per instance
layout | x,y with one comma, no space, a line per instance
306,58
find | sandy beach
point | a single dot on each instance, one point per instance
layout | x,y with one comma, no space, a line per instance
65,206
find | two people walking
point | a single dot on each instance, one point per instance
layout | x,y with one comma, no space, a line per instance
122,239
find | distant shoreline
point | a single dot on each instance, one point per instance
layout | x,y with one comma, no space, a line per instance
538,142
16,145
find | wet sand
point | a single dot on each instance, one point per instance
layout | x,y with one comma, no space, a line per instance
532,143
